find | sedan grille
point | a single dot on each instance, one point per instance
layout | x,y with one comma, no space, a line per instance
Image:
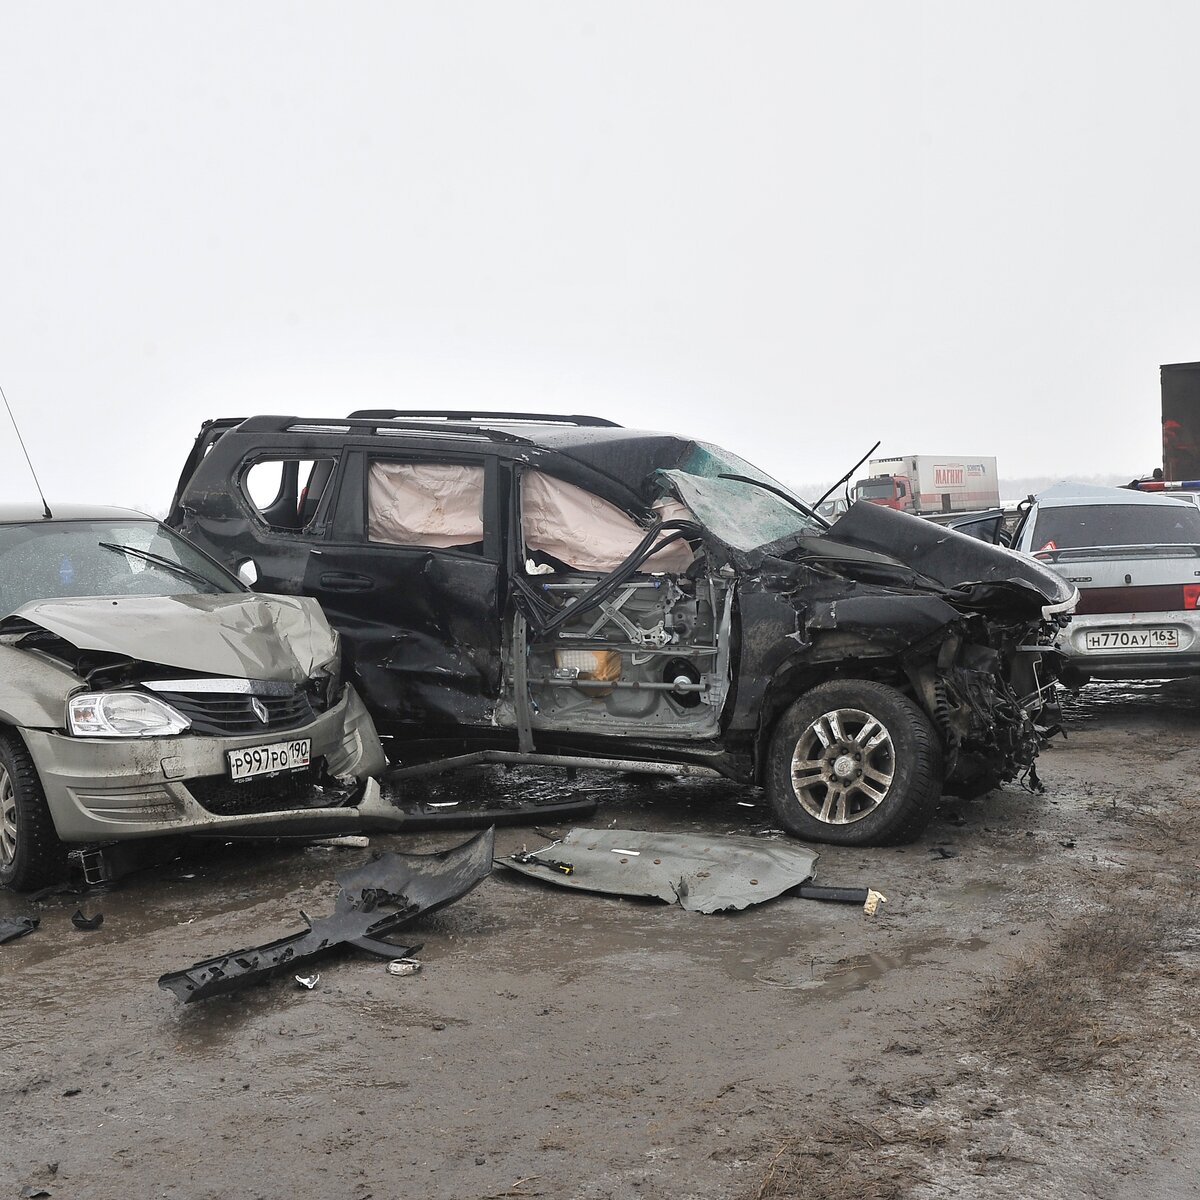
224,798
231,714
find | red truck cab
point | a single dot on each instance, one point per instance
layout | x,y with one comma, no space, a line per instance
890,491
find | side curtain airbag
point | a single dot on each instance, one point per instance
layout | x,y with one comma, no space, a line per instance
425,504
584,531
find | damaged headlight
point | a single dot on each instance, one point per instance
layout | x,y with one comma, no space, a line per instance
122,714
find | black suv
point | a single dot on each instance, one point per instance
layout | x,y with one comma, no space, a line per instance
548,588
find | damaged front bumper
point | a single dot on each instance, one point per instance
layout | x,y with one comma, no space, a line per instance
994,708
104,789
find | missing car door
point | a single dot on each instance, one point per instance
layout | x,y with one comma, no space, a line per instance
627,629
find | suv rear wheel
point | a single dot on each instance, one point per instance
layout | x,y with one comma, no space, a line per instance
31,856
855,763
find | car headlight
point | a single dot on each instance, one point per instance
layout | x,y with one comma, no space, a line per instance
122,714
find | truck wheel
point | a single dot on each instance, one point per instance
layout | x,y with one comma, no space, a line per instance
31,856
854,763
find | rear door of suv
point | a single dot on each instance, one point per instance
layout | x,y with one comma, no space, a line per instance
399,543
410,575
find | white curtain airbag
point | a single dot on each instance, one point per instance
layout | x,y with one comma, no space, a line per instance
586,532
425,504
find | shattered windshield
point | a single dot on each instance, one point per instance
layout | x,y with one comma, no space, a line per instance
49,560
744,513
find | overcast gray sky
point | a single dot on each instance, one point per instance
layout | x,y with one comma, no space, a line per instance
789,228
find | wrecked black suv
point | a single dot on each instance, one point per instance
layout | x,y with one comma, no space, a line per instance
558,589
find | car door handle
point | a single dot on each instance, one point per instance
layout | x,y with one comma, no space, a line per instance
346,581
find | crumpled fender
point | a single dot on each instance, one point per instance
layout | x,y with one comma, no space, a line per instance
34,690
888,623
361,754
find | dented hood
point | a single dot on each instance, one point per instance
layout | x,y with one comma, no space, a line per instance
984,574
236,634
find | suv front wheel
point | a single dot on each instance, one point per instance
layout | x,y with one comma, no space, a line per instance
855,763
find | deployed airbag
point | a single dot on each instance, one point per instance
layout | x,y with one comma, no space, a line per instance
425,504
586,532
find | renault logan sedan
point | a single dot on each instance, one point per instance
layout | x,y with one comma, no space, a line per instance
144,692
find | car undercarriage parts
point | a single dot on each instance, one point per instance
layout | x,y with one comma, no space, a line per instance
374,901
467,805
670,770
701,874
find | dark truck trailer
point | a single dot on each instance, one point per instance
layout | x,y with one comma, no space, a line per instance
1181,420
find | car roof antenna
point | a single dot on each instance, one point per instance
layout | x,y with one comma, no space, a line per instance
846,478
36,483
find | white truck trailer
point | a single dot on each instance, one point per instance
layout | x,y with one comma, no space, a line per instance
927,484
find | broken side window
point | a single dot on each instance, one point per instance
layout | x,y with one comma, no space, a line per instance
286,492
439,505
567,527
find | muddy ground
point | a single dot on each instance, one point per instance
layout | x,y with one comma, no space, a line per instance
1020,1018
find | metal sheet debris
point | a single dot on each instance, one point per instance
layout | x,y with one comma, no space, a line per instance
374,901
701,873
86,923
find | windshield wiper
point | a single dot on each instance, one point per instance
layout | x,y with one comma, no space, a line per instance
159,560
846,478
775,491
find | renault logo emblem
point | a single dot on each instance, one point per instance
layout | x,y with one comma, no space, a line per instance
260,709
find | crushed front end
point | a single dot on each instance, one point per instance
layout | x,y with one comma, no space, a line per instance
987,676
990,691
154,716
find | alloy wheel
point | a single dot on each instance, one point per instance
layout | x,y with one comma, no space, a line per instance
843,766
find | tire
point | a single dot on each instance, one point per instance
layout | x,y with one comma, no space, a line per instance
886,795
31,856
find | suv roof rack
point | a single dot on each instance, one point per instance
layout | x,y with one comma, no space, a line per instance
381,426
430,414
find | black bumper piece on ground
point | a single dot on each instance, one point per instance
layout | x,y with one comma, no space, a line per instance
374,901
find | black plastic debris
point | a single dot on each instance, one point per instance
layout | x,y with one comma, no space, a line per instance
86,923
833,895
374,901
12,928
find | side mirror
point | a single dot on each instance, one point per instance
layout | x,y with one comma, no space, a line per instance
247,572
